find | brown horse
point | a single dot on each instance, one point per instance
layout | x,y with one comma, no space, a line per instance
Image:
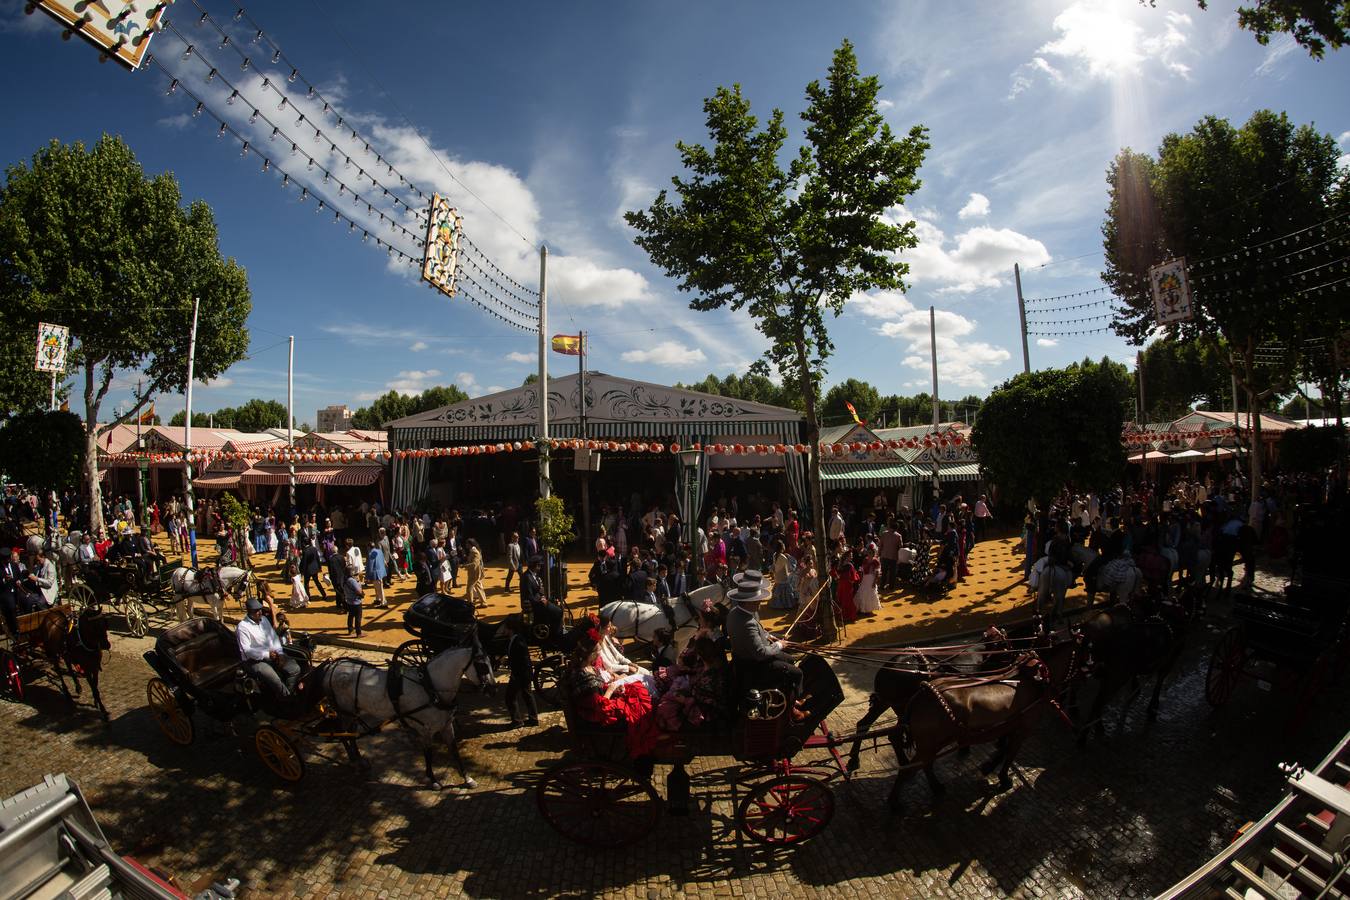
77,640
906,672
1125,644
963,710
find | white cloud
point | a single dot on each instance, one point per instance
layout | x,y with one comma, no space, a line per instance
961,361
418,346
412,381
218,382
666,353
977,207
178,122
1107,41
885,105
584,283
1046,342
470,384
979,257
516,356
1277,50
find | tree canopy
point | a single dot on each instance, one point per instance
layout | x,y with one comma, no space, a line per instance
88,241
393,405
1255,211
865,398
253,415
1042,430
1314,24
789,243
43,449
751,386
1178,374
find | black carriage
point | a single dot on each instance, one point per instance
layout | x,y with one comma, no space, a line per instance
198,668
438,622
21,659
1299,640
116,587
597,795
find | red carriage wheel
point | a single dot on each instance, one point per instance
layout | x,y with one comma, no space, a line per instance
600,804
11,678
1225,667
789,809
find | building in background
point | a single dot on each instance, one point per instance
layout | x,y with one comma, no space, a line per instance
334,418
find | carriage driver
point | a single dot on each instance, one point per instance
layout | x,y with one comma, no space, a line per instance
263,656
765,659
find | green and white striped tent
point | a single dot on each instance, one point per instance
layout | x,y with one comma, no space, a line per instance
615,409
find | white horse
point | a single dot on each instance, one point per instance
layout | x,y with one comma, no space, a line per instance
66,555
425,703
212,584
633,619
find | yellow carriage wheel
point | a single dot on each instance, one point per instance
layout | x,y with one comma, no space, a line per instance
173,720
279,753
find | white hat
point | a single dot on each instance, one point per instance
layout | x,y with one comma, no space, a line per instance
749,587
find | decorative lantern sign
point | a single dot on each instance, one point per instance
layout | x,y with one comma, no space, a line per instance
1171,292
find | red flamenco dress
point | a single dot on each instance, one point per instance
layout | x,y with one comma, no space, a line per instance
846,580
630,706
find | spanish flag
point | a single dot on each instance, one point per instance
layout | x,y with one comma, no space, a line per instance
567,344
148,417
851,411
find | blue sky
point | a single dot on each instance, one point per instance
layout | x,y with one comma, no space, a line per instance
561,116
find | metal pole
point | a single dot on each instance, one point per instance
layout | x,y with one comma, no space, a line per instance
187,438
290,417
52,405
932,349
586,475
1139,376
1022,314
545,487
140,464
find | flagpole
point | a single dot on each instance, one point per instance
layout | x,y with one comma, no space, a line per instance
187,438
545,488
581,406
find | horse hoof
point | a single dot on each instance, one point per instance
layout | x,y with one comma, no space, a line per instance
469,784
852,764
436,786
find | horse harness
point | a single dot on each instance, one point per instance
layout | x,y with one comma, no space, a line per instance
1032,662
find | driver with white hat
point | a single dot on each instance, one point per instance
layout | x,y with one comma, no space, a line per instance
766,659
262,652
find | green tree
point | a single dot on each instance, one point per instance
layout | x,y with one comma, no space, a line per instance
787,244
865,399
22,387
753,386
1312,23
87,240
258,415
1311,449
1178,374
393,405
1228,199
43,449
1042,430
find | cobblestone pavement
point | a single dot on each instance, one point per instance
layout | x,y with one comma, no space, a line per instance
1123,818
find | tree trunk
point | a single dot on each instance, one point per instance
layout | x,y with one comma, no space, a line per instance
95,490
829,629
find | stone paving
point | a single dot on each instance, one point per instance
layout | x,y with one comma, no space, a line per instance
1123,818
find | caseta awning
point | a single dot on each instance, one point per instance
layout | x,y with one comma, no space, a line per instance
336,476
856,475
959,472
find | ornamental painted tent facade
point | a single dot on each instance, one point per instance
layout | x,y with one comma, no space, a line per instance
614,409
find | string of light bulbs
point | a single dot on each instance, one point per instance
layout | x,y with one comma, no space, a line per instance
468,241
1086,293
467,258
487,294
311,91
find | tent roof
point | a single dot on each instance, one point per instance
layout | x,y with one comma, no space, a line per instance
614,407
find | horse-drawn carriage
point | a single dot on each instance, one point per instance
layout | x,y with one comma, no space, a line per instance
598,795
21,653
51,638
1300,640
198,667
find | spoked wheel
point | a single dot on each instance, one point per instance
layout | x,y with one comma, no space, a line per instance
279,753
173,720
1225,667
413,653
133,611
1309,686
11,677
598,803
80,596
789,809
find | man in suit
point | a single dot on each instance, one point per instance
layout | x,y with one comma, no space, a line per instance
310,566
11,594
530,547
337,574
765,659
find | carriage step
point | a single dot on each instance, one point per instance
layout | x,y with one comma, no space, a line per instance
1322,791
1303,844
1295,870
1255,882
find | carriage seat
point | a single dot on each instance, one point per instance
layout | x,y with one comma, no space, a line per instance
205,650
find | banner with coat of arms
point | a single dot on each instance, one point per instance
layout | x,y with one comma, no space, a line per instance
1171,292
52,342
440,264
